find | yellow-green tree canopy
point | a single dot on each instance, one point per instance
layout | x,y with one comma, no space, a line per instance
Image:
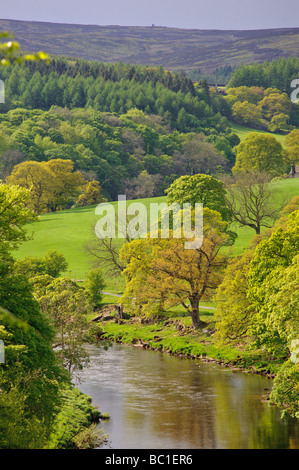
51,184
292,146
260,152
161,272
14,215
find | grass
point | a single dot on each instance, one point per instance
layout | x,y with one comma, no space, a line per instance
243,131
68,232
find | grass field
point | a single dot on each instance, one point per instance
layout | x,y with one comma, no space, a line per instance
68,231
243,131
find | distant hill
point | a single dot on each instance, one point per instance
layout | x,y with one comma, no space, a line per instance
175,49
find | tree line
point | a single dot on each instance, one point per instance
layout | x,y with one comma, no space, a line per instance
41,85
134,152
275,74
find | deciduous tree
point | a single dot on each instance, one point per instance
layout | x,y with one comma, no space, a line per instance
162,272
251,200
260,152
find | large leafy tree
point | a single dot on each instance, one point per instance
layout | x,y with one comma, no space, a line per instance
51,184
260,152
199,188
162,272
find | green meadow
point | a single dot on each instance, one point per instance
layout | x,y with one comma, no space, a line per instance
68,232
243,131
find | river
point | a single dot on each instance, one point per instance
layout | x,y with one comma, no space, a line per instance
158,401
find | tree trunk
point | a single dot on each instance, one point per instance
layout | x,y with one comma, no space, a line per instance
196,322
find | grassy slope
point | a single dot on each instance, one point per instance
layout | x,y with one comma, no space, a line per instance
243,131
68,231
174,48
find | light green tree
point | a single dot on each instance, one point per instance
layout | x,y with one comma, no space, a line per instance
260,152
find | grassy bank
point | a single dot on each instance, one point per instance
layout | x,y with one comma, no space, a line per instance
174,335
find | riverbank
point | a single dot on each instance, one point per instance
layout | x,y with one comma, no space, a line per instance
175,336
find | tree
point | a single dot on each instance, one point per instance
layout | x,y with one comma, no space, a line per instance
258,304
161,273
142,186
51,184
67,184
199,189
31,375
9,159
260,152
250,198
53,264
292,146
92,195
247,114
243,94
279,122
35,177
65,303
198,156
275,103
14,215
94,285
234,311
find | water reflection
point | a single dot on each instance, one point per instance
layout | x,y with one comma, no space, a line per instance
159,401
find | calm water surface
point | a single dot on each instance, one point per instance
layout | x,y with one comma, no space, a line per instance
157,401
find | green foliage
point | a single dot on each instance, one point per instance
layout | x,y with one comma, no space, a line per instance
80,84
31,375
260,152
108,150
50,184
199,189
13,215
277,73
292,146
91,195
10,52
258,304
161,272
75,424
53,264
285,392
65,303
94,285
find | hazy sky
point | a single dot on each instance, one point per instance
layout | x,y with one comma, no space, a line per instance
199,14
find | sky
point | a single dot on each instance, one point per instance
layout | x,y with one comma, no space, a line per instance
194,14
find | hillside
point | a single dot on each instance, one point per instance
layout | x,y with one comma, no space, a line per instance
173,48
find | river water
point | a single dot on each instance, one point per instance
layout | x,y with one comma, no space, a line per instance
158,401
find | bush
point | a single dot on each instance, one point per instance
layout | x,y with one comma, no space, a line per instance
94,285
